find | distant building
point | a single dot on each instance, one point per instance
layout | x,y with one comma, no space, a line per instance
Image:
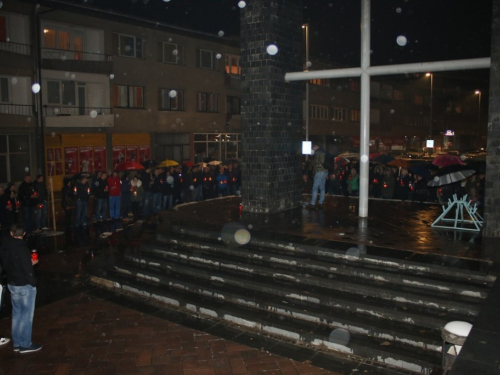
114,86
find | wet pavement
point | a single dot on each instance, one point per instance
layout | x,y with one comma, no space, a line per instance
90,331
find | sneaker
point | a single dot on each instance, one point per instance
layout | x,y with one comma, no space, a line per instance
29,349
45,228
16,348
4,340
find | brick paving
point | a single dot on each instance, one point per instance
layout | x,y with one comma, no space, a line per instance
85,334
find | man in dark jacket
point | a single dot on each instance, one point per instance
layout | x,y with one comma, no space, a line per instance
41,204
27,197
18,264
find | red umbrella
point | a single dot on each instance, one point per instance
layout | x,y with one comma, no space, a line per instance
445,160
188,163
129,166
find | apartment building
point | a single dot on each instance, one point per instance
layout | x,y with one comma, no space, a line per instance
82,89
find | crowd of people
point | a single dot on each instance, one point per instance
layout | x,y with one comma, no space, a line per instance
386,182
145,192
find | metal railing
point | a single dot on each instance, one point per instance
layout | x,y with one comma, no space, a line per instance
22,49
51,111
63,55
17,109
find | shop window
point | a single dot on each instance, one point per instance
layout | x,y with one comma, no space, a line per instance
170,100
207,102
128,96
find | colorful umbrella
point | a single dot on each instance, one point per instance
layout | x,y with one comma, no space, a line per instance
400,163
446,160
168,163
450,174
129,166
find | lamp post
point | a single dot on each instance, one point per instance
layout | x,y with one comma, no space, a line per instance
477,92
306,69
430,106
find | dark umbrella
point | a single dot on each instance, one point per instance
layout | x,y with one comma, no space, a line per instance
420,170
149,164
129,166
383,158
450,174
445,160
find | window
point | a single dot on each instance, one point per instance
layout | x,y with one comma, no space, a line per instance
339,114
4,90
233,105
61,92
320,82
208,102
419,99
397,95
3,29
14,157
319,112
355,115
205,59
374,116
128,96
129,46
172,53
56,39
233,64
170,100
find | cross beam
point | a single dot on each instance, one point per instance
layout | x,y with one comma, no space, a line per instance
365,72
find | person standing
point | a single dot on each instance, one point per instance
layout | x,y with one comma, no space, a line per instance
18,264
147,197
115,190
28,198
320,174
82,192
41,205
101,196
3,285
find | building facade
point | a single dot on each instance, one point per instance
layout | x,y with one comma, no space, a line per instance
82,89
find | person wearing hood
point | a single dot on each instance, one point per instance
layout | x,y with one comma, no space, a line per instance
137,192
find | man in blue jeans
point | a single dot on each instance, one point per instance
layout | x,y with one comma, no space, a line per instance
18,264
320,174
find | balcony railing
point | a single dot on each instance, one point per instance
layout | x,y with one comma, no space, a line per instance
51,111
22,49
17,109
63,54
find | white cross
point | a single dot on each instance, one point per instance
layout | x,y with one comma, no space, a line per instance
366,71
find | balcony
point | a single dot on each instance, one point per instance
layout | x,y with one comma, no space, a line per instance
232,81
21,49
17,109
72,117
76,61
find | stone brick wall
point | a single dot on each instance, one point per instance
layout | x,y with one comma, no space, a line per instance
492,201
271,109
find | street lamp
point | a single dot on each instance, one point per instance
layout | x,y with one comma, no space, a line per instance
306,69
432,92
477,92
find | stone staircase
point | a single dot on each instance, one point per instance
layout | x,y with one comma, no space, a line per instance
355,306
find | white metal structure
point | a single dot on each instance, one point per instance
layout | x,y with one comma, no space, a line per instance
365,72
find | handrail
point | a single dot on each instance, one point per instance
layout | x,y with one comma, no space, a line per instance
64,54
20,48
16,109
52,111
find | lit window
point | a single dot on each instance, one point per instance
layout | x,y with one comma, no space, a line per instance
233,64
355,115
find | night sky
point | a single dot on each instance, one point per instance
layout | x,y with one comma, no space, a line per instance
434,29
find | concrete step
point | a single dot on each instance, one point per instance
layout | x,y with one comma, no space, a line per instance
391,310
357,346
